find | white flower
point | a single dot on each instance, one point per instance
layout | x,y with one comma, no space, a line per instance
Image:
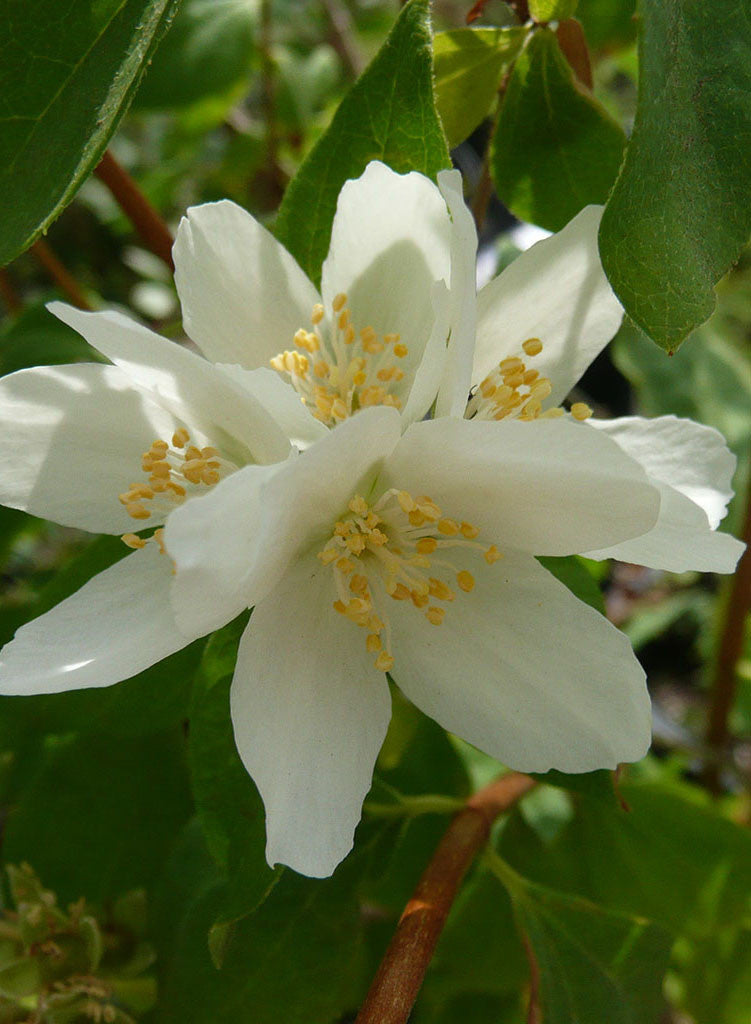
375,335
113,449
539,325
375,552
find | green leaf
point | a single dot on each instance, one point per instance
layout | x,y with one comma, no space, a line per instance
552,10
207,50
100,813
389,114
67,76
37,338
229,807
608,24
297,959
595,966
555,148
468,65
681,209
572,571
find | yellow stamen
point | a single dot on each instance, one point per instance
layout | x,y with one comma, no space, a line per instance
581,411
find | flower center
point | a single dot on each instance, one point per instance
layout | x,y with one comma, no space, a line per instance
175,472
511,390
338,374
397,549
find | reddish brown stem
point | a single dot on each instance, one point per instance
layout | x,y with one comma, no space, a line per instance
574,48
149,224
731,646
9,293
342,37
62,277
397,982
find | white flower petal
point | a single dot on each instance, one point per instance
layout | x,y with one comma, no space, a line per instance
213,541
236,542
545,486
429,373
556,291
390,243
73,437
310,713
687,456
682,540
243,296
205,398
116,625
527,673
457,381
281,402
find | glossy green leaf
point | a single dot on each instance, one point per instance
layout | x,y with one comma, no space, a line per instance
555,148
67,75
681,209
100,813
595,966
389,114
229,807
552,10
468,65
206,52
297,959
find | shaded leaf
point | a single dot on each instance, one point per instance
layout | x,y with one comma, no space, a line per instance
555,148
67,75
468,66
552,10
389,114
681,209
207,50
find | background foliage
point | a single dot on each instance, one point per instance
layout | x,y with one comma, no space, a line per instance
632,901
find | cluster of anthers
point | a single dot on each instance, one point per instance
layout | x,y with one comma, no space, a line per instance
512,390
174,470
396,549
338,375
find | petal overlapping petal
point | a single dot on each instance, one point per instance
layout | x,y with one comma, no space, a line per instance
545,487
250,527
201,395
116,625
556,291
693,468
390,243
310,714
72,442
243,295
527,673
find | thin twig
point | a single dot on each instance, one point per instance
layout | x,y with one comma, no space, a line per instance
8,291
730,649
144,217
399,977
342,37
59,274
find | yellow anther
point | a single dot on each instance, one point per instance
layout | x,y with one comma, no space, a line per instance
448,527
416,517
373,642
419,600
469,531
192,452
317,315
137,511
180,438
532,346
358,505
435,615
541,388
429,508
401,593
440,590
514,380
386,374
343,320
345,565
492,554
328,555
161,470
377,538
465,580
321,368
384,662
391,339
511,365
358,584
553,414
531,410
406,501
209,477
133,540
426,545
209,453
356,543
368,334
159,448
340,301
580,411
530,376
340,606
373,395
400,351
488,388
349,335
